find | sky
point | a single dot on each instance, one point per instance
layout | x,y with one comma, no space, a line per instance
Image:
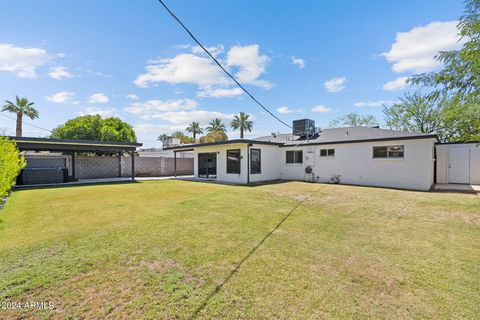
301,59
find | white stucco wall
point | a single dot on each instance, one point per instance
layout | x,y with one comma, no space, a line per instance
442,161
353,161
356,165
270,161
270,164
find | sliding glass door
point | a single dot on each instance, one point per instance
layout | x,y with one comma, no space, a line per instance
207,165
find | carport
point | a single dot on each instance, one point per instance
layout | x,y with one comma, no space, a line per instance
73,146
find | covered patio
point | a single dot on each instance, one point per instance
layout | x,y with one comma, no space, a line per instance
72,147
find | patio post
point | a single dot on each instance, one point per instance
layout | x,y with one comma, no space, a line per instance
175,163
73,165
133,165
119,164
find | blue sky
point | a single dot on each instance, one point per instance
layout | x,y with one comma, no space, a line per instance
302,59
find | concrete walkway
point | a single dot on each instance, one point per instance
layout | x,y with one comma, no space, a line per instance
102,180
457,187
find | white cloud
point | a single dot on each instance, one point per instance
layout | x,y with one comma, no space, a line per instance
183,68
300,63
321,109
374,104
58,73
152,108
286,110
132,96
185,117
396,84
105,113
414,50
76,102
219,92
250,63
214,50
335,84
98,98
23,62
60,97
245,62
157,128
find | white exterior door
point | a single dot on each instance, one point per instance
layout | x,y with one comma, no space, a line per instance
458,165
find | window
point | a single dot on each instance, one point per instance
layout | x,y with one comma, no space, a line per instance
255,161
295,156
327,152
233,161
388,152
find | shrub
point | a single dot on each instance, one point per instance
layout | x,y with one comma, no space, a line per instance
10,165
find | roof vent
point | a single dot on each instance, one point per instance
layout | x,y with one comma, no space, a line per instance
274,135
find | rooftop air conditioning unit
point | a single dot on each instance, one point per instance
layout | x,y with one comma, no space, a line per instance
304,127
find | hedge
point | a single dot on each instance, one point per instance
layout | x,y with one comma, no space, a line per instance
10,165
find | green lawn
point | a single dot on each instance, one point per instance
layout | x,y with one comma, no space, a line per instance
178,249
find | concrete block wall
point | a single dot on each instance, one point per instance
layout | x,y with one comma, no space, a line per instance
154,167
96,167
93,167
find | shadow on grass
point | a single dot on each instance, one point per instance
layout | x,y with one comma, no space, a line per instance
66,185
248,255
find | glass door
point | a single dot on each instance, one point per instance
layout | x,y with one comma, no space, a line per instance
207,165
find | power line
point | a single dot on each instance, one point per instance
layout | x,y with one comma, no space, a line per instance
28,124
221,67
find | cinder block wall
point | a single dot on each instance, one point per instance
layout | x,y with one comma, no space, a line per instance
96,167
93,167
152,167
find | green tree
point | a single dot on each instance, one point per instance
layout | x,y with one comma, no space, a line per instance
21,107
216,125
194,128
182,137
163,137
241,122
214,136
10,165
415,112
354,120
449,117
94,127
460,74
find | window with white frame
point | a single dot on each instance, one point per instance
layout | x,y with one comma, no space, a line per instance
389,152
327,152
294,156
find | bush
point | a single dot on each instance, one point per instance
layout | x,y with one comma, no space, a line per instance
10,165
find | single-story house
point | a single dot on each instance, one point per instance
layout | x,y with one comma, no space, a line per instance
354,155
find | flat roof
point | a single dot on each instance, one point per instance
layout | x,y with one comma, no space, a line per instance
190,146
47,144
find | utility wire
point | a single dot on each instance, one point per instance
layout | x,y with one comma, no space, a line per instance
28,124
221,67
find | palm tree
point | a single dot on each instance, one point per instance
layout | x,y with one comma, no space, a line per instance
163,137
241,122
194,129
216,125
22,107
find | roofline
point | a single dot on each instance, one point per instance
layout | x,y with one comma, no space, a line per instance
429,136
198,145
74,142
189,147
458,142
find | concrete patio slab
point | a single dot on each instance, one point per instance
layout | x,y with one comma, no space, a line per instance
101,180
456,187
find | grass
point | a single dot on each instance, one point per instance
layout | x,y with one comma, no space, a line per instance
178,249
